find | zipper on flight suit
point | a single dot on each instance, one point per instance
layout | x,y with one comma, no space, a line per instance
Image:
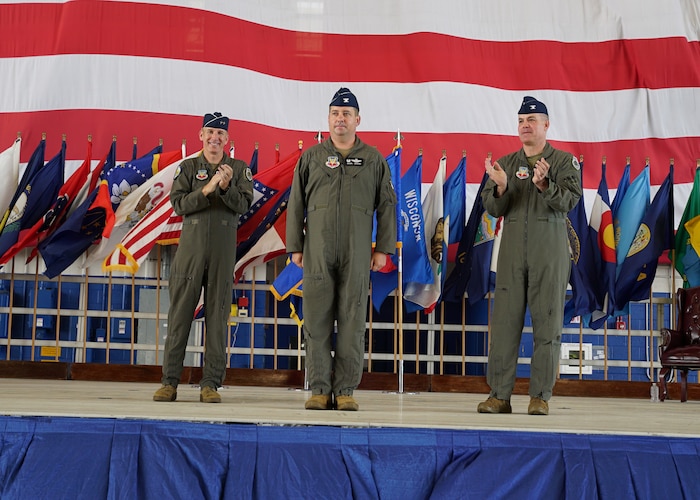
338,207
527,216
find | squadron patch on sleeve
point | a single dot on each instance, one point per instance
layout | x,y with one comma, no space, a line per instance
248,174
575,163
177,172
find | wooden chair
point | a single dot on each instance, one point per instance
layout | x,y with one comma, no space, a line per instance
679,349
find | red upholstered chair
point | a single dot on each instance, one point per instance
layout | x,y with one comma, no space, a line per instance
680,348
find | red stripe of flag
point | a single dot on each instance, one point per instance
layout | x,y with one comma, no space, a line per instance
62,29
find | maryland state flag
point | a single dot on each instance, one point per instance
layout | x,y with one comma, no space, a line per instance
92,220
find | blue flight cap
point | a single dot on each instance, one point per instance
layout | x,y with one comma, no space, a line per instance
345,98
531,105
215,120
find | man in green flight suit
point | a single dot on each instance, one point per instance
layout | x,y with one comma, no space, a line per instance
210,192
337,188
533,189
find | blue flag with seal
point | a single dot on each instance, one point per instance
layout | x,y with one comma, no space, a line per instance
411,232
472,271
36,199
584,265
655,234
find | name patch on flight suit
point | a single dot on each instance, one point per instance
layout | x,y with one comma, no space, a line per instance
332,162
202,174
354,162
522,173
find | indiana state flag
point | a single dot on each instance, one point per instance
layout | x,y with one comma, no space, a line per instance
655,234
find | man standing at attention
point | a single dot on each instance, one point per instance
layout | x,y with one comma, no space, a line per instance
209,191
533,189
337,188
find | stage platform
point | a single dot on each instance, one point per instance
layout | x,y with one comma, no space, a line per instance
83,439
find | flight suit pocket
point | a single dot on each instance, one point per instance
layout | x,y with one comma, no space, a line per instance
317,288
362,210
313,208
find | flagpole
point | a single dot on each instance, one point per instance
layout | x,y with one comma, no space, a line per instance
252,320
275,326
399,248
464,336
11,303
133,314
442,334
158,285
36,300
371,330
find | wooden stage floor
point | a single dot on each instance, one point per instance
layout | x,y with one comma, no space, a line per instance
284,406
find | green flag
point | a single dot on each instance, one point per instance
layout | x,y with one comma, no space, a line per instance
687,261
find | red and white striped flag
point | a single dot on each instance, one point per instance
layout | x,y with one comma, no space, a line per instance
138,242
619,79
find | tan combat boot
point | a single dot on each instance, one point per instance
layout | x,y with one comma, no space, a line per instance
165,393
209,395
319,402
494,405
346,403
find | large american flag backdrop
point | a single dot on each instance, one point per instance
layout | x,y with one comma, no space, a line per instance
621,78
